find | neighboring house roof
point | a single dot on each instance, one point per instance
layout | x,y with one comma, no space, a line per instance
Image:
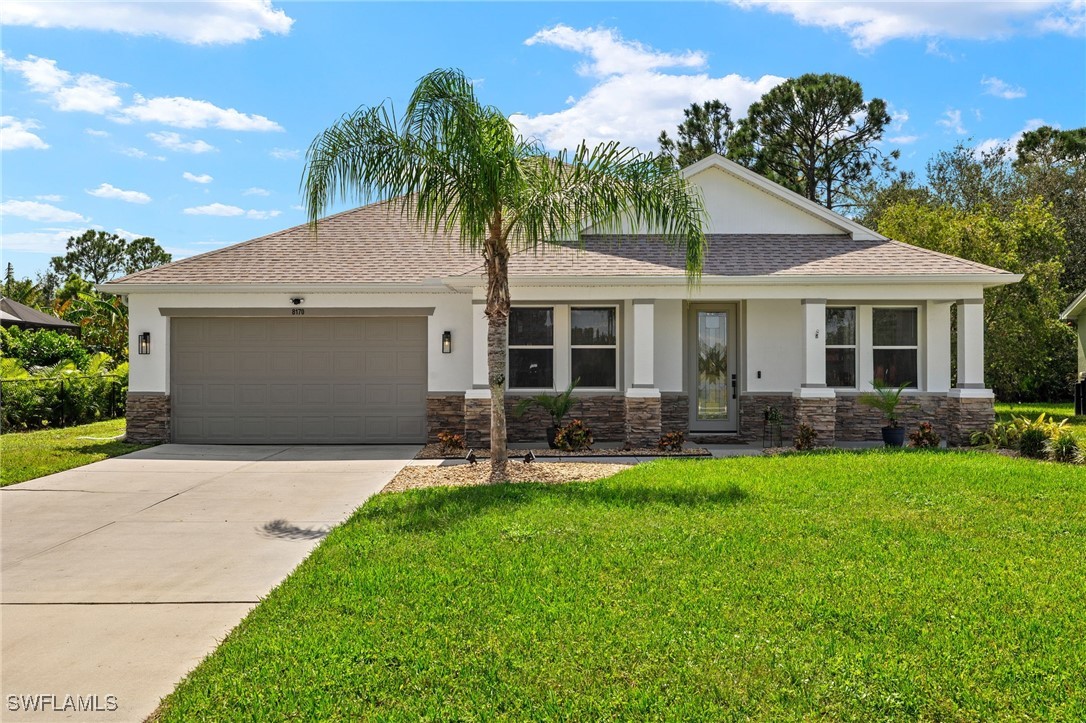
375,245
1076,309
12,313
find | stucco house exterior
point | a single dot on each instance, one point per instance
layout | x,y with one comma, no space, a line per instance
1076,314
374,331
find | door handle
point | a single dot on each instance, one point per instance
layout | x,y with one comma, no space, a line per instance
735,385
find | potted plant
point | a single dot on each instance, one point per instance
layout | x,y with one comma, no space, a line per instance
887,400
556,405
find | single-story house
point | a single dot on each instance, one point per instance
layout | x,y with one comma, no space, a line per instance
12,313
373,332
1076,314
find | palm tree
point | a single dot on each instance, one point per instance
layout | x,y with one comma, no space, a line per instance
450,162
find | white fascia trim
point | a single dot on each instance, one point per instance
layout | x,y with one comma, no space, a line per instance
1078,306
774,189
425,287
910,279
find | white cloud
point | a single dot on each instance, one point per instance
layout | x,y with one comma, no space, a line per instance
1010,145
206,22
611,54
34,211
952,121
191,113
49,241
1002,89
296,207
254,191
66,92
632,107
96,133
133,152
870,23
215,209
221,209
934,47
175,142
902,140
16,134
202,178
51,197
128,235
109,191
285,154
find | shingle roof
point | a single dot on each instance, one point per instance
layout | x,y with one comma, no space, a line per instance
374,244
12,313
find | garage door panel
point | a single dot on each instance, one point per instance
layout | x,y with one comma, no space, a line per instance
290,380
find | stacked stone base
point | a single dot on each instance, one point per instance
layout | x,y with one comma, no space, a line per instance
818,413
643,421
147,417
967,415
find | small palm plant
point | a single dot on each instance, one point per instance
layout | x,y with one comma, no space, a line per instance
558,406
887,400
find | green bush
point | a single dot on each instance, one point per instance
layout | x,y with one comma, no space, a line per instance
805,438
42,347
1032,443
1065,448
574,437
61,395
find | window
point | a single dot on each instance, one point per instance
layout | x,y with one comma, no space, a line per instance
593,347
841,346
531,348
894,335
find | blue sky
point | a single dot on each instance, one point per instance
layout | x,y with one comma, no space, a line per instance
189,122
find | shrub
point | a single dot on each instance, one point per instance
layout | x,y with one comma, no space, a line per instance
43,347
451,442
574,437
924,436
805,437
671,442
1032,443
1008,434
1065,448
60,394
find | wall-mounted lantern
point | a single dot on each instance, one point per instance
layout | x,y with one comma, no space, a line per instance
145,343
446,342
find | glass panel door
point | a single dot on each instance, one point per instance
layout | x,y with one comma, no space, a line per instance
712,370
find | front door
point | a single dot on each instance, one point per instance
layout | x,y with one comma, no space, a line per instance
712,374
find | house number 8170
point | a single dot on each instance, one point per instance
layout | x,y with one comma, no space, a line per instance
297,312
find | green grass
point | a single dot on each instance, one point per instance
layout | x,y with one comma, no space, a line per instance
871,586
1065,410
28,455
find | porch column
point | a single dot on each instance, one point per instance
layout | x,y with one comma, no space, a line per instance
814,404
937,346
642,396
477,399
971,407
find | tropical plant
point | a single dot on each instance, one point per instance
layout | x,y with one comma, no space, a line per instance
924,436
450,163
42,347
672,441
885,399
450,442
1065,447
574,437
1032,443
556,405
804,438
1008,434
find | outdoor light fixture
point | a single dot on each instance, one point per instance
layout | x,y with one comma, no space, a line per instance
446,342
145,342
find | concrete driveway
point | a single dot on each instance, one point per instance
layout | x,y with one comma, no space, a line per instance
117,578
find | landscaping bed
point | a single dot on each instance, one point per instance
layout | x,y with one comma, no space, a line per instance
433,451
461,475
881,585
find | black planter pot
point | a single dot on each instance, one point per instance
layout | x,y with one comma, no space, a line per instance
552,432
893,436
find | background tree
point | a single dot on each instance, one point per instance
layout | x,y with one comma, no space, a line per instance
705,130
98,256
816,135
451,162
1028,352
24,291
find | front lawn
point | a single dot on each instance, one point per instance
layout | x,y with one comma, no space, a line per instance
28,455
1063,410
870,586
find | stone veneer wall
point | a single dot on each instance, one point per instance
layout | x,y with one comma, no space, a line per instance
858,422
643,416
605,415
147,417
674,412
444,413
752,416
819,414
967,415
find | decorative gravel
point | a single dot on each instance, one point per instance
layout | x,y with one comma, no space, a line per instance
433,451
467,475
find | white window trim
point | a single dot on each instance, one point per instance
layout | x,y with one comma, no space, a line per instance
855,345
552,346
865,348
616,346
562,346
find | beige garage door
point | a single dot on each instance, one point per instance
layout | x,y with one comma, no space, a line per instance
298,380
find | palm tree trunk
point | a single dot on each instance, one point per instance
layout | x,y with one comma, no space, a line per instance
496,254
